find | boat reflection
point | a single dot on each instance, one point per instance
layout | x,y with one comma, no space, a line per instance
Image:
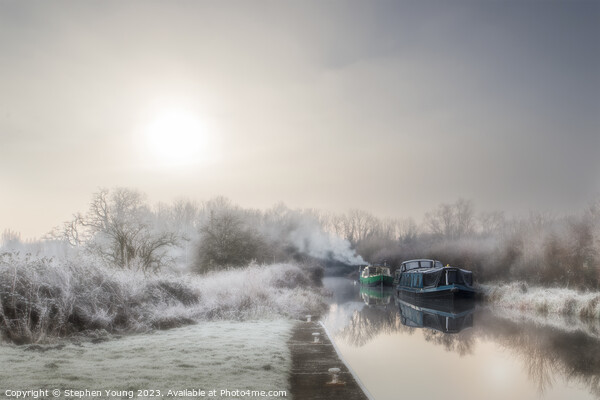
445,317
376,296
383,312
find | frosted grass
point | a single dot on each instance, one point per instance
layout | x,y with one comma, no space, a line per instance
215,355
259,292
542,300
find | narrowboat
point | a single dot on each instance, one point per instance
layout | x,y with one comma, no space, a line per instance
424,278
376,275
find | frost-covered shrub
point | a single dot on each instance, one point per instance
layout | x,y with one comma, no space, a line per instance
41,297
521,296
258,292
167,292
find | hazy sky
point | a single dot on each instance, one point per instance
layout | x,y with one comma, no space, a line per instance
392,107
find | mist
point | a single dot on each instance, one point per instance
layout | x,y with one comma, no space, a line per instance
189,236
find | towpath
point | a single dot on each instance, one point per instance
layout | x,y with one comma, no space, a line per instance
310,378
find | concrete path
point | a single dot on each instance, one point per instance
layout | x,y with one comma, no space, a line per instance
309,378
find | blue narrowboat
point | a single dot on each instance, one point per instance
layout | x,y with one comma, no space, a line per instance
424,278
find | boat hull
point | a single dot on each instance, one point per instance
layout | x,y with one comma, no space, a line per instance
377,280
446,292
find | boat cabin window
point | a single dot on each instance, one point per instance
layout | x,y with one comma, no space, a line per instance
369,271
439,264
426,264
412,265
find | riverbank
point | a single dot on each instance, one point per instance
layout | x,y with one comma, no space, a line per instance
543,300
210,356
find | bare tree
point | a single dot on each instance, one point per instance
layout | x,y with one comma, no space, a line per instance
119,227
441,221
359,225
451,221
10,239
408,231
464,217
491,222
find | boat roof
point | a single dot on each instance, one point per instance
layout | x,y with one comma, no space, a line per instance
375,266
434,269
420,259
423,270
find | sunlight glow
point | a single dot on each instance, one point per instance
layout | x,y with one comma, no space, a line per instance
176,138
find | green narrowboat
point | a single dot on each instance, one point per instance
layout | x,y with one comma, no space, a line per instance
376,275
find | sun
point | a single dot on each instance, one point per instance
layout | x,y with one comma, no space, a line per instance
176,138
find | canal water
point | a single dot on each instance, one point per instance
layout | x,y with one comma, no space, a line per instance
467,350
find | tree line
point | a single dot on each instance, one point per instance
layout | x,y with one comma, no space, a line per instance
121,229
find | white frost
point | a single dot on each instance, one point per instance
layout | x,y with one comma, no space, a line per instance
520,296
216,355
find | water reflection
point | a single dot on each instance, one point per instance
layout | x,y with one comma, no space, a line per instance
546,351
376,296
556,355
368,322
445,317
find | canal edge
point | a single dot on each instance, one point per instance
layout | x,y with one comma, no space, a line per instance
318,372
342,359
